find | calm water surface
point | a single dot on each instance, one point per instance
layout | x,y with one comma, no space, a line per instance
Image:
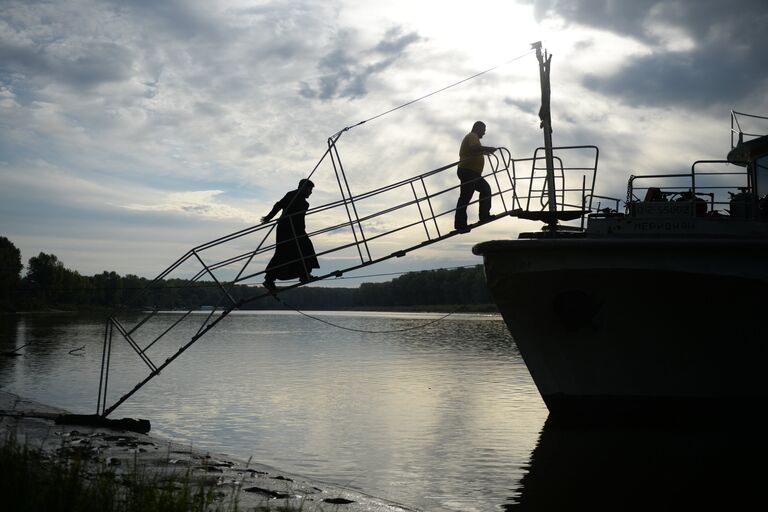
443,417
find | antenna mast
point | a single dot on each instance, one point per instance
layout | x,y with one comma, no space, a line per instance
546,125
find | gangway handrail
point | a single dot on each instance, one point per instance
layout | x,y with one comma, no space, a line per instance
268,248
375,237
345,224
328,206
261,248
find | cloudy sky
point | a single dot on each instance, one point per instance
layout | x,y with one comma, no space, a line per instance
132,131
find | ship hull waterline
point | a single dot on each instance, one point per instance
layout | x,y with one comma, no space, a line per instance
651,330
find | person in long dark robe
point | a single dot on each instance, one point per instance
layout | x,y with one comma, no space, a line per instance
294,253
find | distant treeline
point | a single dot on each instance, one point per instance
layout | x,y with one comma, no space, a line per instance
48,284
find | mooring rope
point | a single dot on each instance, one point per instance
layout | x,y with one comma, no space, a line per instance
366,331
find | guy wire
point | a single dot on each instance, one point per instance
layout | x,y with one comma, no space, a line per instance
435,92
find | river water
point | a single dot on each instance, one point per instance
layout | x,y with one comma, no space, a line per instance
442,415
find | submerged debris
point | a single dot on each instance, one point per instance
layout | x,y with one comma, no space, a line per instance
268,492
338,501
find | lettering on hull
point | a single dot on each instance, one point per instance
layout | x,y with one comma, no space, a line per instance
663,226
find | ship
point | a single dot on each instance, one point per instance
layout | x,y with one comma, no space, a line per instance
650,313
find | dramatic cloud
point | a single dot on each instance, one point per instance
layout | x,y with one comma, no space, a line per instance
700,52
345,74
79,66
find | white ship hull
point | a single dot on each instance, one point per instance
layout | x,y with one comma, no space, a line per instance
636,327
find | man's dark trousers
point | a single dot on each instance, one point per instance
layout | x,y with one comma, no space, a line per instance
471,181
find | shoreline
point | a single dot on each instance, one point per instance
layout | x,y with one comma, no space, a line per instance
254,485
424,308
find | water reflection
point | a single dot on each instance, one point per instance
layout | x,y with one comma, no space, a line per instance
446,418
651,469
442,418
8,325
10,343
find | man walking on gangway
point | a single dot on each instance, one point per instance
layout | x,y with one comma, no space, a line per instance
470,171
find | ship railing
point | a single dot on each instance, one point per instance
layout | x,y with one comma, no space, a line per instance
567,195
601,206
747,126
708,192
575,171
594,203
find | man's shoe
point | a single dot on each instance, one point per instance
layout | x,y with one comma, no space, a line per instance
270,285
462,229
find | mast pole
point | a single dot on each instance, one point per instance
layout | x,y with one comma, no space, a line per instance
546,125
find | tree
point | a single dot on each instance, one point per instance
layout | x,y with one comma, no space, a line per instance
10,270
45,273
108,287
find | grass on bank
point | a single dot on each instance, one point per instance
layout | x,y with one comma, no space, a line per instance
32,481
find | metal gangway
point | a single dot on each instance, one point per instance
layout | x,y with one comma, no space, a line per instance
555,185
355,231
